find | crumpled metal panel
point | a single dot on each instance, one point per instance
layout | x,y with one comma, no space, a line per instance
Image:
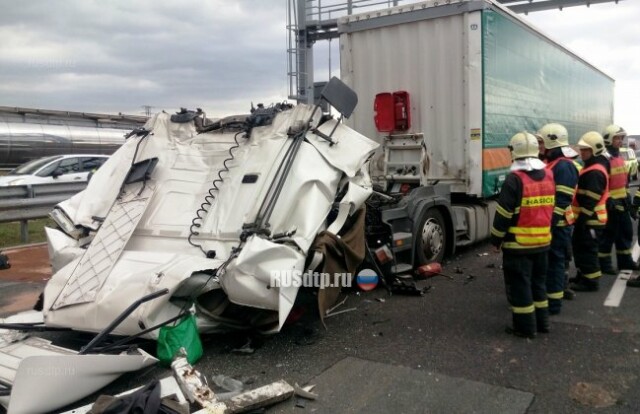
528,82
58,375
105,249
159,255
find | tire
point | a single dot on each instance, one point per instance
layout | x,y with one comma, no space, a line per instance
431,238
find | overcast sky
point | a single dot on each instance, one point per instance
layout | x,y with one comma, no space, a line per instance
115,56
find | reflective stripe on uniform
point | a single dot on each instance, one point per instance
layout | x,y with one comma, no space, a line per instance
504,213
590,194
497,232
541,304
604,254
555,295
565,189
625,251
523,309
618,193
593,275
529,230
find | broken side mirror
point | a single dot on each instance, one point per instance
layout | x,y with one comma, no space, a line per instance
340,96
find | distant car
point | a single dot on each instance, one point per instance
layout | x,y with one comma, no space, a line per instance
54,169
630,162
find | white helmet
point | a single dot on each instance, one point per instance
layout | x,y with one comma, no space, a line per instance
554,136
523,145
612,131
592,140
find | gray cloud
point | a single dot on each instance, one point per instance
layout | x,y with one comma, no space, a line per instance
115,56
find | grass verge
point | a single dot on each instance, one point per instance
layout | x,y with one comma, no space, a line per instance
10,232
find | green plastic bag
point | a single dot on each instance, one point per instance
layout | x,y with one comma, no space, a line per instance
183,335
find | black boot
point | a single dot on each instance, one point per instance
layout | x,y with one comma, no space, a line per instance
635,282
519,334
524,325
585,285
607,267
542,319
626,263
569,294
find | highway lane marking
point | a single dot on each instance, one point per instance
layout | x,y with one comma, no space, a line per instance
620,285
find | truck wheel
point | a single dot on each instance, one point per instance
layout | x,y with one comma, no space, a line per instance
432,238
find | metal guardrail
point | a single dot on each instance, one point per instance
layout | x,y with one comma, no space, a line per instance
27,202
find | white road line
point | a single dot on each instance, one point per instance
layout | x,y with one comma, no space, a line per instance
620,285
618,288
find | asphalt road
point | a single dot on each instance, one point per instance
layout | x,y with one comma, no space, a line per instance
443,352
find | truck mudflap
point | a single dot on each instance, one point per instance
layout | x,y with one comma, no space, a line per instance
59,375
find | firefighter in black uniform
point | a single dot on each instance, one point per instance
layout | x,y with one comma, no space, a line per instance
618,230
522,228
589,208
635,282
558,155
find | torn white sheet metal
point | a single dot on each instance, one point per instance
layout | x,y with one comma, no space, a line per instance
62,248
87,293
9,336
59,375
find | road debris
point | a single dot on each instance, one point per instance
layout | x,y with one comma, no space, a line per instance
169,391
305,392
336,306
194,385
34,360
247,348
328,315
591,395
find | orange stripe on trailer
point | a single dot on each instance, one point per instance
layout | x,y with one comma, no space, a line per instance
495,158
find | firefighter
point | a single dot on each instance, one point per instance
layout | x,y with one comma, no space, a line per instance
541,149
589,208
635,209
559,156
522,228
618,230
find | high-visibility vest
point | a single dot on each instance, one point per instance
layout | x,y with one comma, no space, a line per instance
533,227
569,217
617,179
601,206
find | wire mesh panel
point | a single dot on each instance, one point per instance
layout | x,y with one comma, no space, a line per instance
96,263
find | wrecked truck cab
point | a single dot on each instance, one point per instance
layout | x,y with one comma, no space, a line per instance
210,216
